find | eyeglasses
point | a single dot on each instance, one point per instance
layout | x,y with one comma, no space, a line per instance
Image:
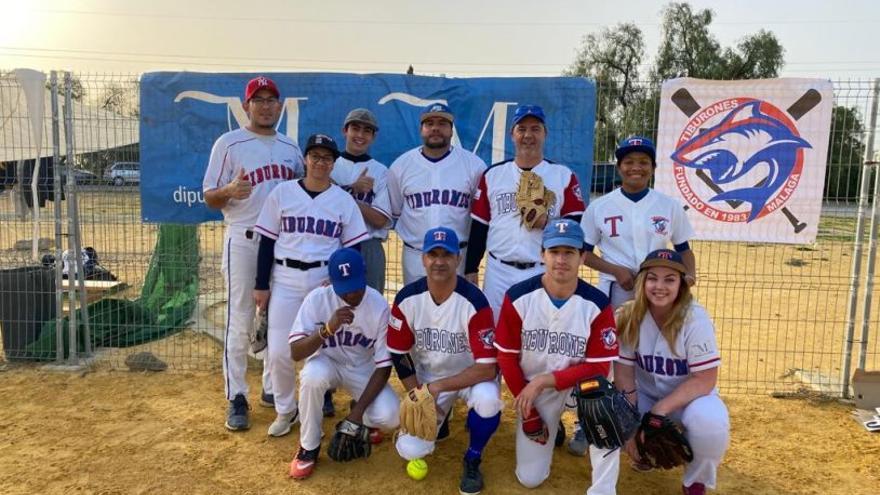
318,159
264,101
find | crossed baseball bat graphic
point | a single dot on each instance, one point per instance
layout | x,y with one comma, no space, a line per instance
688,105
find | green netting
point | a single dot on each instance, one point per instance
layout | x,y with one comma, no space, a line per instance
167,300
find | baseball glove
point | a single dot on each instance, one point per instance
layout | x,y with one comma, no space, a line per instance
606,417
259,331
418,414
535,428
661,443
532,199
351,441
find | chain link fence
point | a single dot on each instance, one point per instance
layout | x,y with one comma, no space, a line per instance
782,312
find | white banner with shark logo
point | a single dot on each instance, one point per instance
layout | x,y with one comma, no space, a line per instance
746,158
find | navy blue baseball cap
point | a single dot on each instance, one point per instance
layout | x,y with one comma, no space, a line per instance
322,141
563,232
441,237
347,271
524,111
437,110
664,257
633,144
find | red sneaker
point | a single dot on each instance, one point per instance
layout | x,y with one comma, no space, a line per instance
376,436
695,489
302,466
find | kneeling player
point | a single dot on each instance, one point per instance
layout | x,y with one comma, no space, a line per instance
440,336
340,331
555,330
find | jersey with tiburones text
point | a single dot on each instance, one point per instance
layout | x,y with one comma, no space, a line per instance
550,339
627,231
352,345
495,205
443,339
266,162
310,229
425,194
661,368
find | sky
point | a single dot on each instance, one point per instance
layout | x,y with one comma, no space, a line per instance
828,39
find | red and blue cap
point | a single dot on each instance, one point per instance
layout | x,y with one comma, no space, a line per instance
633,144
347,271
441,237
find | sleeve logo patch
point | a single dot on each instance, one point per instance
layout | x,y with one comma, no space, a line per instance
609,338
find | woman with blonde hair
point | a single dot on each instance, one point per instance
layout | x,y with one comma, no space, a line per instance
669,365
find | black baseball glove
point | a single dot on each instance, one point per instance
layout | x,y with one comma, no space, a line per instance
351,441
661,443
607,418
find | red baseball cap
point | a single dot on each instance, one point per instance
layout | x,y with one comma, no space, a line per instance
258,83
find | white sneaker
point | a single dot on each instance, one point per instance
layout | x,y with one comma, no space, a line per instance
282,424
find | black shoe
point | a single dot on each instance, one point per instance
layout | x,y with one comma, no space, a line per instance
560,435
471,478
329,409
443,432
237,414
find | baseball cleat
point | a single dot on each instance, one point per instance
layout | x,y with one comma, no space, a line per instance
471,478
303,465
560,435
578,444
237,414
328,408
695,489
376,436
267,399
282,424
443,432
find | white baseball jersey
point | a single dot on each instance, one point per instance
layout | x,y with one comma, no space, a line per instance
425,194
626,231
442,339
346,172
308,229
266,161
495,205
659,370
550,339
353,345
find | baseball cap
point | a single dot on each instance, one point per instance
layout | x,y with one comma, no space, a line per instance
363,116
441,237
563,232
524,111
258,83
664,257
322,141
347,271
437,110
633,144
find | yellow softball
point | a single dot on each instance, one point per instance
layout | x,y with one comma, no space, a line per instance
417,469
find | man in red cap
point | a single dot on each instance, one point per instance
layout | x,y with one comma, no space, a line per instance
246,165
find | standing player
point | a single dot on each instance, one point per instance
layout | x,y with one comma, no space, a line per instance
440,337
432,185
365,178
555,330
668,354
340,332
633,220
301,224
245,166
514,249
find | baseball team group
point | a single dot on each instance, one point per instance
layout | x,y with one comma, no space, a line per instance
634,358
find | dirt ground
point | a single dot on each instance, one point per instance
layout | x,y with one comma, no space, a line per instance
114,432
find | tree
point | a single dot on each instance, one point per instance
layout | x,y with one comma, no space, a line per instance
611,58
121,98
687,48
845,155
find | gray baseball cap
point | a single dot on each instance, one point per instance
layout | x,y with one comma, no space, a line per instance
363,116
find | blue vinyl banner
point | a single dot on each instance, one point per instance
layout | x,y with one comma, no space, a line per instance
183,113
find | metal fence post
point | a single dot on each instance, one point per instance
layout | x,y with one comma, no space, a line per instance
857,245
56,155
73,211
869,272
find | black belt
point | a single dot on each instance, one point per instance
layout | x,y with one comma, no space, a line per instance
519,265
299,265
461,245
249,234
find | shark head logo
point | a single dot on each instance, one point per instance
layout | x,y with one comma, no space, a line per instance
754,141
